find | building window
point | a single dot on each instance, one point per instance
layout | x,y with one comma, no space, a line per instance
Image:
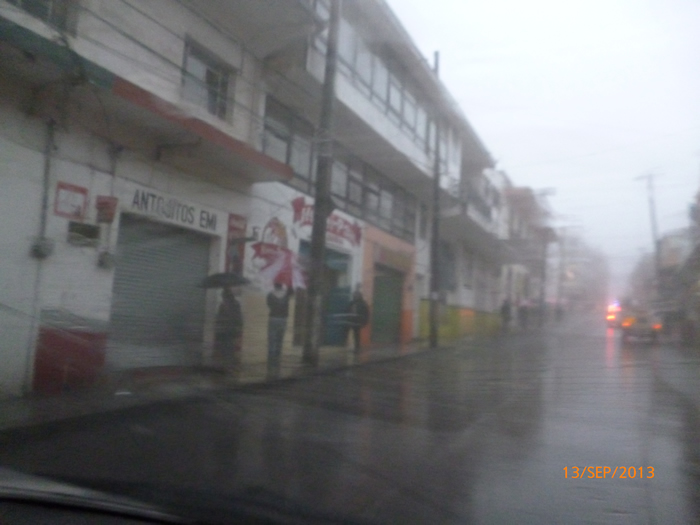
423,222
395,95
346,44
339,180
447,260
206,81
380,80
300,156
53,12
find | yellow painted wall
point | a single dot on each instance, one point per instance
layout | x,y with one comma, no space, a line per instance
456,322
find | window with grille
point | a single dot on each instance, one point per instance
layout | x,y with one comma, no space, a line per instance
206,82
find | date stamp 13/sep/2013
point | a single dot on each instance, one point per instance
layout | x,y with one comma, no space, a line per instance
605,472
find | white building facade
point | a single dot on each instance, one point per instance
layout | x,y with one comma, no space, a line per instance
147,144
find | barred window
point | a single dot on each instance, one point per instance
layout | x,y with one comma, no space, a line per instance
206,81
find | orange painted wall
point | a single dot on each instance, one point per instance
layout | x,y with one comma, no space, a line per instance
375,240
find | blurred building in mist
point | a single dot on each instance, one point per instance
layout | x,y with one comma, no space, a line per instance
583,274
148,143
677,294
529,240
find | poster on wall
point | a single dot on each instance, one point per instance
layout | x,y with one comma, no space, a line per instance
273,259
71,201
235,243
338,229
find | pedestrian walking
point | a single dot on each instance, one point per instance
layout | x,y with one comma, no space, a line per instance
229,326
278,305
506,314
358,311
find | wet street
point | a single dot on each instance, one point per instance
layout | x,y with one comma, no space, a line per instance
562,425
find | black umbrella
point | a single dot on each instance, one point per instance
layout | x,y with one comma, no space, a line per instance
223,280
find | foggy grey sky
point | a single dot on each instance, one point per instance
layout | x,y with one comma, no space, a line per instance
581,96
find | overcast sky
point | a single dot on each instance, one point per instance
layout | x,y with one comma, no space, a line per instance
580,96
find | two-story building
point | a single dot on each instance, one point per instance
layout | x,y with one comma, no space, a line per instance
147,144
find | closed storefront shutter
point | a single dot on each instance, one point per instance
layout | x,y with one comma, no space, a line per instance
157,314
386,305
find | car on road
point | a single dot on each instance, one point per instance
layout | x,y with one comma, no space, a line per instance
640,325
614,313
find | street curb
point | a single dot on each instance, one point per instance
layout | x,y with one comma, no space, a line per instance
36,412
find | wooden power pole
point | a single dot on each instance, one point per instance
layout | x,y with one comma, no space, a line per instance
323,203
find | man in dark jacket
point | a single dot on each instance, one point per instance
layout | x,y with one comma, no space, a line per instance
278,304
229,325
359,316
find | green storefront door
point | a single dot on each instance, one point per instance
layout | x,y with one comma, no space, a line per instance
386,306
337,295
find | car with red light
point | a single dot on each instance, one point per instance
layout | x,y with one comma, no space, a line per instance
614,313
640,325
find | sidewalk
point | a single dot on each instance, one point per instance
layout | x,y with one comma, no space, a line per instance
679,368
129,388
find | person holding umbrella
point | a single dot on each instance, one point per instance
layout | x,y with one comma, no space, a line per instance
228,330
229,325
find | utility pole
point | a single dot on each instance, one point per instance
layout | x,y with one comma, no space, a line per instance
323,203
562,265
435,232
652,216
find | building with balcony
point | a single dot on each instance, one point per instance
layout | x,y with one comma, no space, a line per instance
145,143
130,143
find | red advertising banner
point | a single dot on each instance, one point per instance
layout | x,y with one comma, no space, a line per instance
335,225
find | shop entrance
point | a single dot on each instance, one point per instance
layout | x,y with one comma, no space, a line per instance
157,316
386,305
336,290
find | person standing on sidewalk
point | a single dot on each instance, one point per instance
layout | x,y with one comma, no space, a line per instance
278,305
359,316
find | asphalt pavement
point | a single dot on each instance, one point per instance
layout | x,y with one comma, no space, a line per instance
559,425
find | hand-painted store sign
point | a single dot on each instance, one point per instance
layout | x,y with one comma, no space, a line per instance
173,210
335,225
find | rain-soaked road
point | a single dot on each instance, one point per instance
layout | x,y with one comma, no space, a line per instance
491,434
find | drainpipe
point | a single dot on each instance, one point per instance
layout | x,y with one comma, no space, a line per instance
41,248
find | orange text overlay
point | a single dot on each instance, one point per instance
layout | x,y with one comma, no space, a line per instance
608,472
